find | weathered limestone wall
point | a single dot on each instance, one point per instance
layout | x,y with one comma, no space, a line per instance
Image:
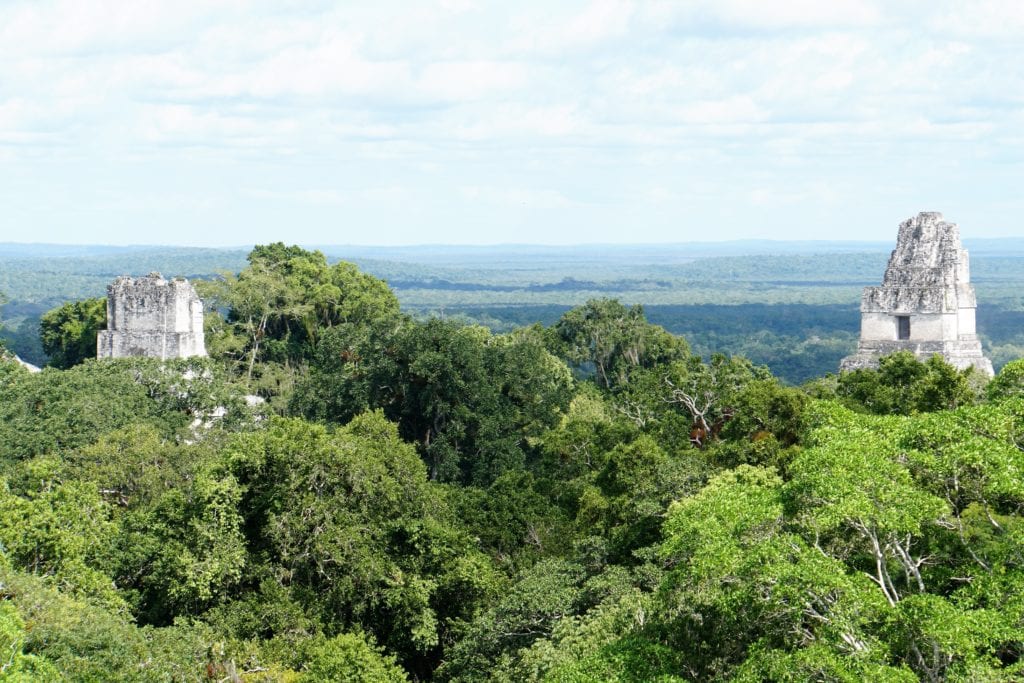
923,326
928,282
153,317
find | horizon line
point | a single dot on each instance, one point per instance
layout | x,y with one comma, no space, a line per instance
465,245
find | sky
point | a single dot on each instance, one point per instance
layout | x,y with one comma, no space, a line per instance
229,122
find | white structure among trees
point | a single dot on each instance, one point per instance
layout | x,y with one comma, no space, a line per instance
153,317
926,302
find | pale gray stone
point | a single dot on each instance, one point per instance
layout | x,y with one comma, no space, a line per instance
8,356
153,317
928,284
26,365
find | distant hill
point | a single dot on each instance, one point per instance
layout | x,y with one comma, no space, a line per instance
40,250
762,298
464,255
602,253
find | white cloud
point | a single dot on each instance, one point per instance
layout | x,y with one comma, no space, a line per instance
315,197
547,98
783,196
470,80
459,6
517,196
746,15
736,109
600,20
981,19
798,13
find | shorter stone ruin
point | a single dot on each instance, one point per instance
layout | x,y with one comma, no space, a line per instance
926,302
153,317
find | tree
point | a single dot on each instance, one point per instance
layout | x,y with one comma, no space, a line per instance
472,402
708,392
942,387
186,551
855,486
633,490
348,658
84,641
541,596
740,577
53,410
905,501
62,534
817,662
178,546
343,371
1009,383
278,307
613,340
15,665
68,332
608,643
513,519
351,528
433,383
3,301
253,298
903,385
579,445
970,459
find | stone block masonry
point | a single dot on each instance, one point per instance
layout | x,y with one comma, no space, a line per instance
926,302
152,317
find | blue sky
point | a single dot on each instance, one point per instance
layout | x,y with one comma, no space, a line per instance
226,122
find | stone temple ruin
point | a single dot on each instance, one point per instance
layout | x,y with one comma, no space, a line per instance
926,302
153,317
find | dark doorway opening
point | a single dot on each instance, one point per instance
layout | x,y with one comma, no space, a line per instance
903,327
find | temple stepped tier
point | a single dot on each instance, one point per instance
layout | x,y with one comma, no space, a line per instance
153,317
926,302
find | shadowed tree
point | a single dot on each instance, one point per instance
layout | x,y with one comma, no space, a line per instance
613,340
68,332
270,317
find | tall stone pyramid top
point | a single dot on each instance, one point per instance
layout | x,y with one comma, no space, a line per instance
927,254
928,270
925,303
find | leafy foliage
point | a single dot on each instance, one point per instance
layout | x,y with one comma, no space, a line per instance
903,384
472,402
68,333
54,410
278,307
587,501
349,659
612,340
17,666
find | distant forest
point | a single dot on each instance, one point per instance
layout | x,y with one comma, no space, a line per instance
790,306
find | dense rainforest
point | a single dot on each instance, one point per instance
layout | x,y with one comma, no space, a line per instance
790,306
345,492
